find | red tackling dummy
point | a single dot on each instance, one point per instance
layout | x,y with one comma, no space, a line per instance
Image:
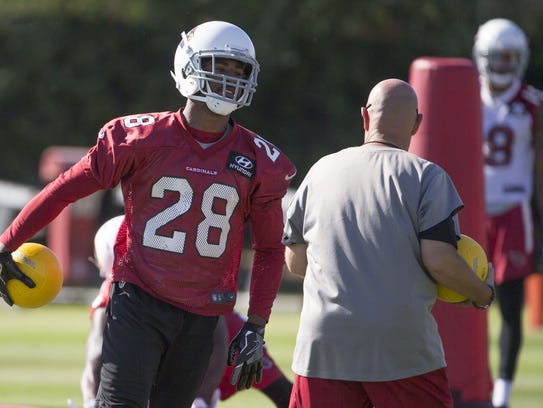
451,136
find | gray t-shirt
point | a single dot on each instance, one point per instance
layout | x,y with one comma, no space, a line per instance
367,298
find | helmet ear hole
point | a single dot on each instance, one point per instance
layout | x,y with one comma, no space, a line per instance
189,86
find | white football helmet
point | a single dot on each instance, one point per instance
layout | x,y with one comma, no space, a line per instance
501,52
104,240
207,42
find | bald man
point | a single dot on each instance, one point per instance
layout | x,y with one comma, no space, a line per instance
371,230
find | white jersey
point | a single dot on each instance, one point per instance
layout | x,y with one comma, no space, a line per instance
507,147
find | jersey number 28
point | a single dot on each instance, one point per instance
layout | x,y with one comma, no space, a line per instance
212,220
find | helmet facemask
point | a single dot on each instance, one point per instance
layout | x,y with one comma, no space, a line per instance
502,67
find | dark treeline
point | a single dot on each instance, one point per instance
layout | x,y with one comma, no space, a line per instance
69,66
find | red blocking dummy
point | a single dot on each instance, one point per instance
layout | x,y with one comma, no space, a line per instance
450,135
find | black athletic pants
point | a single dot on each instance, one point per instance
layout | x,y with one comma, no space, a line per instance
154,354
510,296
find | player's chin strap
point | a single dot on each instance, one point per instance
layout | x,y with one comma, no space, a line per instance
220,107
189,86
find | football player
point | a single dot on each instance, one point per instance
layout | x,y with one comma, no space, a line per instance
191,179
216,384
513,153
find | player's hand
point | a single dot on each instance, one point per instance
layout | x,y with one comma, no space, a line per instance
10,270
489,281
248,347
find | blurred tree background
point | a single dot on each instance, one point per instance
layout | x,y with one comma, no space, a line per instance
68,66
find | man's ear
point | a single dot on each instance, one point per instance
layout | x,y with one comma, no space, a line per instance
365,117
417,123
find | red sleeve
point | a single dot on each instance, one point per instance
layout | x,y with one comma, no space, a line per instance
268,259
275,173
75,183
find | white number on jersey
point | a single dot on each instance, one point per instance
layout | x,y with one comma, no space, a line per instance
212,221
498,146
271,151
142,120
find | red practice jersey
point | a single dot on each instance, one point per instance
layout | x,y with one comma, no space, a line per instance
185,209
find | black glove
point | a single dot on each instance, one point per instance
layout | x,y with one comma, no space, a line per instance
10,270
248,346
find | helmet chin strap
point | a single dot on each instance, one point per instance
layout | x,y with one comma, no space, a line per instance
189,87
501,80
220,107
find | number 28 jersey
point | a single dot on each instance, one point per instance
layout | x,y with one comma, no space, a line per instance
508,146
185,209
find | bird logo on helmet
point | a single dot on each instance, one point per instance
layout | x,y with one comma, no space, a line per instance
209,42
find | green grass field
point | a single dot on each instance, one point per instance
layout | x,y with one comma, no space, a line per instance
42,355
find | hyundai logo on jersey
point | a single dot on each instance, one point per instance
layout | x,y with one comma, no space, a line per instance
242,164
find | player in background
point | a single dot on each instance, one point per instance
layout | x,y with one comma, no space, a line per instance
216,385
104,241
191,180
513,169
